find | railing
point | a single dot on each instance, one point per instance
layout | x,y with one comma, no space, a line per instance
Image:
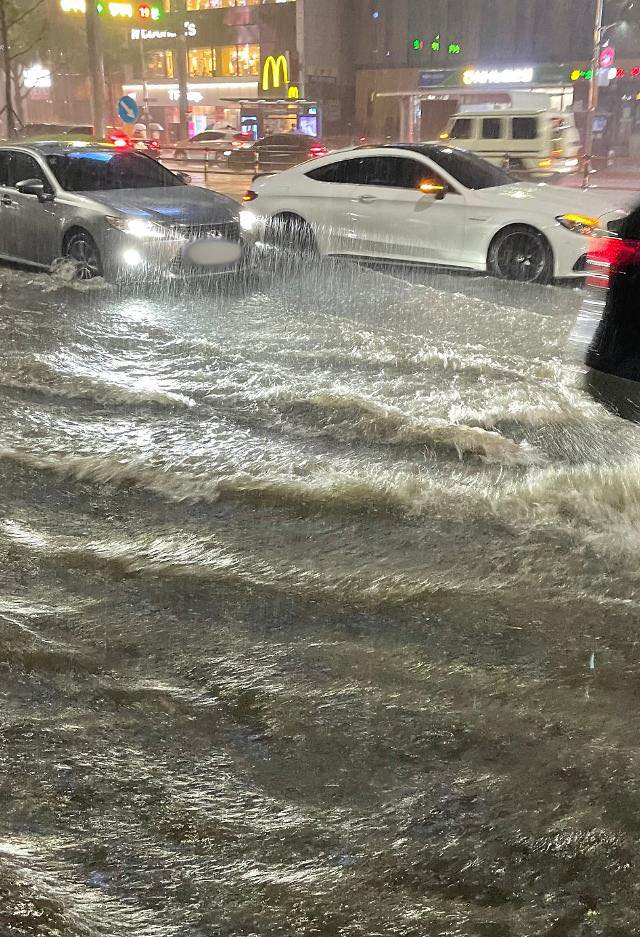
200,159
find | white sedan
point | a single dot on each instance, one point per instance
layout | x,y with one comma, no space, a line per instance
428,203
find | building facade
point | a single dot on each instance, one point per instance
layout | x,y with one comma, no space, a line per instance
417,60
232,55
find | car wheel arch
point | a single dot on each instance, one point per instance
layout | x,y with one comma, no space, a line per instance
521,225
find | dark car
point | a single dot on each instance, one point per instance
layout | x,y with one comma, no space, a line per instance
113,212
280,151
613,308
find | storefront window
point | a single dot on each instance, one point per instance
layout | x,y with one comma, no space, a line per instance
159,64
202,63
247,60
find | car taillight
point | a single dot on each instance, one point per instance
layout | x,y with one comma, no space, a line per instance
153,144
249,196
316,151
608,256
120,141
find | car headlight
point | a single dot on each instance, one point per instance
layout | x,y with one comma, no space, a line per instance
139,227
579,224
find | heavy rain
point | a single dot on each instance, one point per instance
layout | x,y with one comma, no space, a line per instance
319,590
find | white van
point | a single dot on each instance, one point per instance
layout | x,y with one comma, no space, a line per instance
539,140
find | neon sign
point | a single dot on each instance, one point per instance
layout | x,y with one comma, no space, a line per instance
497,76
146,11
586,74
453,48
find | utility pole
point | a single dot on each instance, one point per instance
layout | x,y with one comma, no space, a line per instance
593,93
96,68
6,66
181,71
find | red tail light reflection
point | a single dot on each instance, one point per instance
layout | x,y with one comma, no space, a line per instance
316,151
608,255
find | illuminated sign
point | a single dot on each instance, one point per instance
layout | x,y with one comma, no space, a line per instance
36,77
293,92
585,74
194,96
152,34
497,76
146,11
275,72
453,48
607,57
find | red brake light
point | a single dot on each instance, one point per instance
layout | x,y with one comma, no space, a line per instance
249,196
153,144
120,141
317,150
606,256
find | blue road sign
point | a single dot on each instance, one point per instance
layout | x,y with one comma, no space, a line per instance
128,110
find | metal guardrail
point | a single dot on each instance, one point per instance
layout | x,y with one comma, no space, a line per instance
204,160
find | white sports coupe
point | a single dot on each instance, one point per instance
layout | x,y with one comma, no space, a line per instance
429,203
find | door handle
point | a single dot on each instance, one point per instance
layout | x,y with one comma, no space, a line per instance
365,198
6,200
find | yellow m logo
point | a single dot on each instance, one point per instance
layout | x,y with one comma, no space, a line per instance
277,69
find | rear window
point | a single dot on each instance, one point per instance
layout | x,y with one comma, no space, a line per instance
524,128
461,129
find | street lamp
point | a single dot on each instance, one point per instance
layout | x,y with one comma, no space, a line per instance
599,33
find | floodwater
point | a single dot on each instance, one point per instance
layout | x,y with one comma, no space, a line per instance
319,613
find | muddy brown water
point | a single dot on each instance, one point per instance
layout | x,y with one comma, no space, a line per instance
318,613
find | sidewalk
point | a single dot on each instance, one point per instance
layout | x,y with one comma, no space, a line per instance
624,176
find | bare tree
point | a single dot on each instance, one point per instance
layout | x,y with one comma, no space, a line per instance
13,48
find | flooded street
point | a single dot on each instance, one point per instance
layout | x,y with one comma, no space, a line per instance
319,613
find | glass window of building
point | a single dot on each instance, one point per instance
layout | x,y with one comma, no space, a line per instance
159,64
247,60
202,63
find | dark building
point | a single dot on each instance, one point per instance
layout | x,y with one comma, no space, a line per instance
417,60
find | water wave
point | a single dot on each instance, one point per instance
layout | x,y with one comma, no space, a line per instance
355,416
206,559
36,375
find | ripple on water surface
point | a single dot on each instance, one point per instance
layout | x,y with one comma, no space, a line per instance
318,613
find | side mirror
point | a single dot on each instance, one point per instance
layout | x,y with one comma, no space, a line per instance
34,187
186,178
436,189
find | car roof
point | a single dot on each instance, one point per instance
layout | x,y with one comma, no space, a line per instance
57,147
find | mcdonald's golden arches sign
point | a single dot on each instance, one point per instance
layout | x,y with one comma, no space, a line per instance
276,76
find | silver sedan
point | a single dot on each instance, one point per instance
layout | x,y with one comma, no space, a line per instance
112,213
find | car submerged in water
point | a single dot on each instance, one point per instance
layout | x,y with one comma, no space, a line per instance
113,212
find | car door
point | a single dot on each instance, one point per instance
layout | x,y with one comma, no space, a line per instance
328,203
34,225
403,209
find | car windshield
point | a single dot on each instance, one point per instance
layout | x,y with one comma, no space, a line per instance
101,170
469,170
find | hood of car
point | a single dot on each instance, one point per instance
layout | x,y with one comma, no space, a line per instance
181,204
557,199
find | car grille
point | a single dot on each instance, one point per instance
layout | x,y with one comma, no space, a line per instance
230,230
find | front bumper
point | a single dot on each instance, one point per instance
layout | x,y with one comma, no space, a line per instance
215,251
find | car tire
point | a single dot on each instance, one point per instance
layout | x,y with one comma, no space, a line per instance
80,247
292,233
522,254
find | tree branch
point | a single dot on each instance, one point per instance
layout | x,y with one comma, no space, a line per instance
17,55
24,13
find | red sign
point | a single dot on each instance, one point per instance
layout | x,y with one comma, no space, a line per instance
607,57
